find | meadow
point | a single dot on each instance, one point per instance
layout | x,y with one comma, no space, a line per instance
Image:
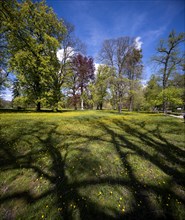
91,165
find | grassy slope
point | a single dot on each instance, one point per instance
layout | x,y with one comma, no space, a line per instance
91,165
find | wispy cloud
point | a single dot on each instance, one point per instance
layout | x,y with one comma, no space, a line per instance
138,22
152,35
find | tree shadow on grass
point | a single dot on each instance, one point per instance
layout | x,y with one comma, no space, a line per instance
56,169
159,152
167,159
68,200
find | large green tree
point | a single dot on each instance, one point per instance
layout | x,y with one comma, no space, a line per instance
34,34
120,54
170,58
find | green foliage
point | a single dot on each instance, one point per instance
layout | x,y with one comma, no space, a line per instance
33,33
101,85
122,56
20,102
156,96
172,95
170,59
134,69
139,101
152,91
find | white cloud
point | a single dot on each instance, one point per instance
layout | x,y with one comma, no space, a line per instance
67,53
96,67
138,43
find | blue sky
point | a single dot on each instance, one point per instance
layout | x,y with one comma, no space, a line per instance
97,20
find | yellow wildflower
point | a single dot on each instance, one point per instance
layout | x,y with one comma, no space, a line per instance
99,194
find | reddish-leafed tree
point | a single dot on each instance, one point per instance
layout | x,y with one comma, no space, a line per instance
84,68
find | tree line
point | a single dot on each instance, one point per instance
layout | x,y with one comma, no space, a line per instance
51,69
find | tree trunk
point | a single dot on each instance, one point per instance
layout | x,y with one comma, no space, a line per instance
120,102
101,105
74,101
164,105
38,106
131,103
164,85
164,98
82,101
82,104
184,93
119,108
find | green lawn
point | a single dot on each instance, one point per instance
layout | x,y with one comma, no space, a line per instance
91,165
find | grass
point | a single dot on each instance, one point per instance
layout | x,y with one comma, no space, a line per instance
91,165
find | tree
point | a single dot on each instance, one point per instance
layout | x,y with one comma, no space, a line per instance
152,91
133,71
120,54
172,96
72,86
139,98
101,85
169,59
83,68
70,47
178,81
16,89
33,33
4,56
20,102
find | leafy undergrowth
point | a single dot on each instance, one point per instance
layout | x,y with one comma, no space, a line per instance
91,165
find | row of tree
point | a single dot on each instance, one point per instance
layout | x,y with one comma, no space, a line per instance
52,70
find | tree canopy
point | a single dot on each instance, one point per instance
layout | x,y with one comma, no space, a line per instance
170,59
51,68
34,34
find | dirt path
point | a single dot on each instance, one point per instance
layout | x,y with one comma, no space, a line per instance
176,116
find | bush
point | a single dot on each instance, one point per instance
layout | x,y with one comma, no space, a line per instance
20,102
